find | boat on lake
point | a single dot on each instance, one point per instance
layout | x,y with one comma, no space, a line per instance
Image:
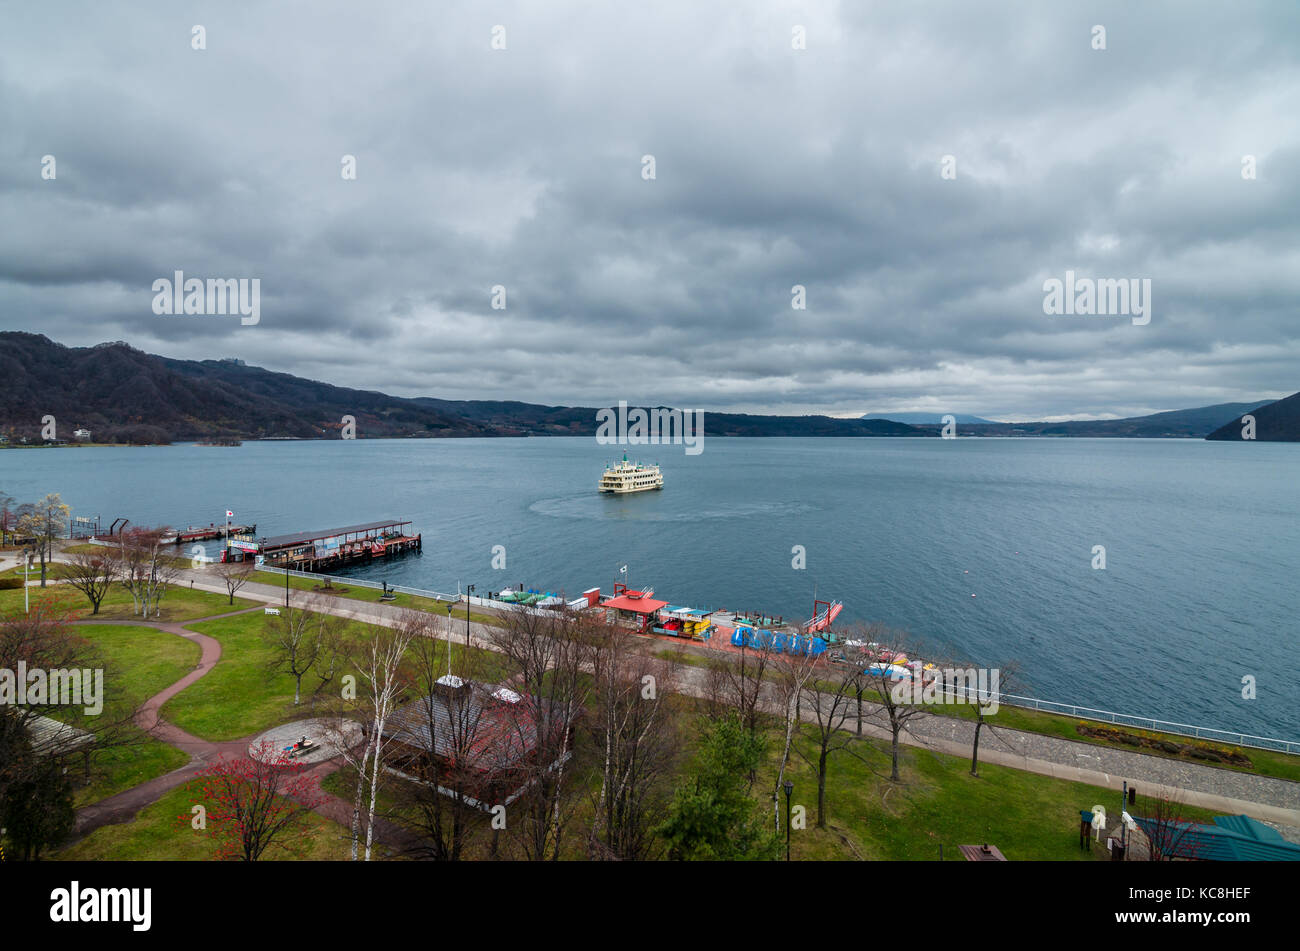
628,477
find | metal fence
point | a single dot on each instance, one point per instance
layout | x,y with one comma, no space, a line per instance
962,694
1149,723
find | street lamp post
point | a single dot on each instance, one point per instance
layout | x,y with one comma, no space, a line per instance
27,564
450,605
469,589
788,786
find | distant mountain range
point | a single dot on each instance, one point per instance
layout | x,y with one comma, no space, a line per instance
928,418
122,394
1195,423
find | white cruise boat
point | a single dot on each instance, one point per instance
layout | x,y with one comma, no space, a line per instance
630,477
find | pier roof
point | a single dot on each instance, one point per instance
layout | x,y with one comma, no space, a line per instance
298,538
639,605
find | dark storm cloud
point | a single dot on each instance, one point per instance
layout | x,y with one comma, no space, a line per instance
775,167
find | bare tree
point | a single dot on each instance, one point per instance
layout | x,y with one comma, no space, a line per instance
234,575
550,650
899,698
826,694
7,518
635,731
44,521
792,672
745,677
987,700
304,639
454,778
380,661
148,566
93,573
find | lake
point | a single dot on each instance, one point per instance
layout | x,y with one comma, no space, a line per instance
1202,540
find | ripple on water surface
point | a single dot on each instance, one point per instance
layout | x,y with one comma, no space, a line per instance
636,507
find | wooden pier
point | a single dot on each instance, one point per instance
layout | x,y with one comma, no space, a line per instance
331,547
198,534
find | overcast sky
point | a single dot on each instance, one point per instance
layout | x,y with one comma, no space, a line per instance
774,166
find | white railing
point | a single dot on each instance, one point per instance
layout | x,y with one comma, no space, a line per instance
1125,719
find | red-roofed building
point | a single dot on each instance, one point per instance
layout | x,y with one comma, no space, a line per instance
635,606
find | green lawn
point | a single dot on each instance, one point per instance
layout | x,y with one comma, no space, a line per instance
157,834
242,696
139,662
1026,815
178,604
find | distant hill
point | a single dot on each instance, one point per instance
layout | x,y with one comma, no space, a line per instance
1274,422
125,395
1179,423
529,419
928,418
122,394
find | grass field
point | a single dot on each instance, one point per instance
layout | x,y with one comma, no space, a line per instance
178,604
242,695
1026,815
158,834
139,662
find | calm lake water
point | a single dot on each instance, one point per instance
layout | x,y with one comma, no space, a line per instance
1202,540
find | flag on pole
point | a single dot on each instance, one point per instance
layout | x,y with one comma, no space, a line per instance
229,514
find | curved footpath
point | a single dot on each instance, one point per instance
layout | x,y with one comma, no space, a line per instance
124,806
